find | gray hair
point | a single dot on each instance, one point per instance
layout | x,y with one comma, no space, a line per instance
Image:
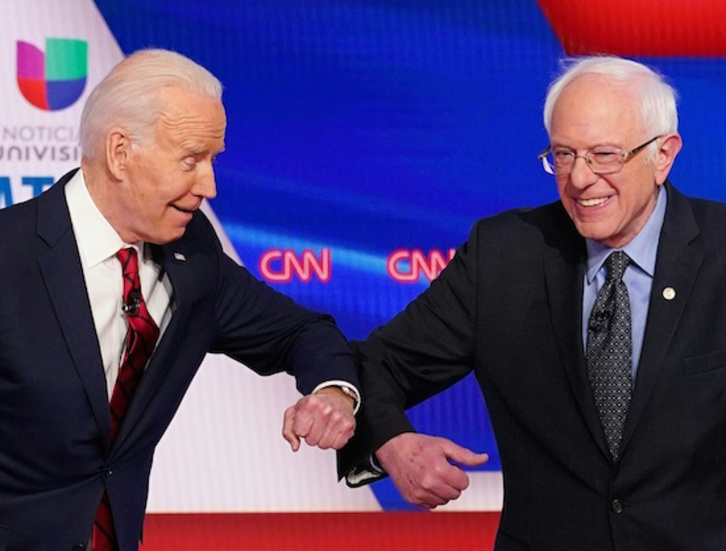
129,96
657,98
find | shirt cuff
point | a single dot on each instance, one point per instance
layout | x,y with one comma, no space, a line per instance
364,473
347,388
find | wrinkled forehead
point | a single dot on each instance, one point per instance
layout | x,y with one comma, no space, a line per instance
180,103
192,115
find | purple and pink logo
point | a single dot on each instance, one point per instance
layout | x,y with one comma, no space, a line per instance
55,79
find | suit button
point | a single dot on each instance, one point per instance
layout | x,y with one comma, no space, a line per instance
616,506
108,472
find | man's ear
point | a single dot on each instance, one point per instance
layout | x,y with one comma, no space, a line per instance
118,151
670,145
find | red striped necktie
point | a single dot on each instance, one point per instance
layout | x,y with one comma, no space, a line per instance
140,341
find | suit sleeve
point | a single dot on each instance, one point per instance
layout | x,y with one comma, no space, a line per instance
423,350
270,333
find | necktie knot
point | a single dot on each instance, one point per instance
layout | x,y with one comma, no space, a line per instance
616,264
125,256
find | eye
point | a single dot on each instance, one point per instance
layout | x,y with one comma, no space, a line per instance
189,162
605,155
563,155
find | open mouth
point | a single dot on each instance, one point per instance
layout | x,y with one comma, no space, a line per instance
595,202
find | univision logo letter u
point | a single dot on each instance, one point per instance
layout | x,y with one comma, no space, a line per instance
56,79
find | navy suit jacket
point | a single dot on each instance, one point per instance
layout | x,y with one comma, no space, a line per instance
55,456
509,308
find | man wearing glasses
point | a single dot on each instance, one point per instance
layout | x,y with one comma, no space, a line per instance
596,327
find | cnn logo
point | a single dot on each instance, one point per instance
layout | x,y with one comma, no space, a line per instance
281,265
407,266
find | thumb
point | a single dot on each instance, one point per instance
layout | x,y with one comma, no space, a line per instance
287,429
464,456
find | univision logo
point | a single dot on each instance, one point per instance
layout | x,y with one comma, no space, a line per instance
56,79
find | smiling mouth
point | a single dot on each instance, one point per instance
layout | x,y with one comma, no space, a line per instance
592,202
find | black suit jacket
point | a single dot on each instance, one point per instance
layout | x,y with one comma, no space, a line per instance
55,457
509,307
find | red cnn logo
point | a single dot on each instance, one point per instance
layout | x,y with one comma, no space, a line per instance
279,266
418,263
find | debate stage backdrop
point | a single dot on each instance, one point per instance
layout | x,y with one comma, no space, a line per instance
364,139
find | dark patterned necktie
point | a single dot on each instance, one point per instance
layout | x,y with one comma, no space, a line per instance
609,351
140,341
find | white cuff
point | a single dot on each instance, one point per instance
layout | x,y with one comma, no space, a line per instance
365,473
347,388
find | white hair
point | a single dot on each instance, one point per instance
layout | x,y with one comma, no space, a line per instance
129,97
657,98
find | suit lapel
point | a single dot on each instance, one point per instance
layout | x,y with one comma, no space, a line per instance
63,276
676,268
564,266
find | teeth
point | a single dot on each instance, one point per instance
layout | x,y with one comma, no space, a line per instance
592,202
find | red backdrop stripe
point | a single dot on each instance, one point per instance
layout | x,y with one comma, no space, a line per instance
418,531
654,28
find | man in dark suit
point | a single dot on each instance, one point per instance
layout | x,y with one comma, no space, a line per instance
77,428
604,373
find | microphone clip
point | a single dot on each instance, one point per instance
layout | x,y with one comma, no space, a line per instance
133,302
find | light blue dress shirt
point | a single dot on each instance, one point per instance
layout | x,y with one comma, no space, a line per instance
638,277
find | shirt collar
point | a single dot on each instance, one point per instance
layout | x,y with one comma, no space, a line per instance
96,238
641,250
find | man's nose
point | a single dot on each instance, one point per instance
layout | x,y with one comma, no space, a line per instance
581,174
206,186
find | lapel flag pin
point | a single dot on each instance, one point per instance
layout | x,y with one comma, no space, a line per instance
180,257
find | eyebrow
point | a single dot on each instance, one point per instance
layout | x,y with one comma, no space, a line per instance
589,148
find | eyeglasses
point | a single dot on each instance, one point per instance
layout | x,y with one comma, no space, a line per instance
601,160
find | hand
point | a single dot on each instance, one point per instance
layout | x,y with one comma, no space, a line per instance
324,419
420,467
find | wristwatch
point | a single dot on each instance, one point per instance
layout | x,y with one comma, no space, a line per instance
350,392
